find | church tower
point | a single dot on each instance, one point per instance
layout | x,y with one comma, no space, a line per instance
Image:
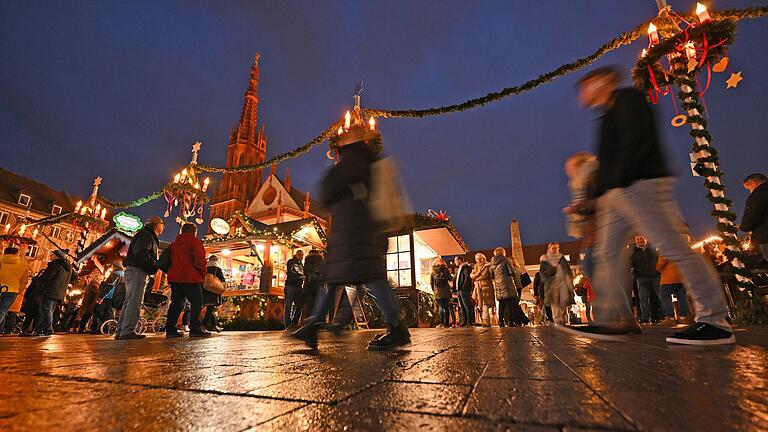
247,146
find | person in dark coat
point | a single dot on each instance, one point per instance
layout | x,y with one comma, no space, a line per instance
31,305
140,264
644,261
439,280
755,219
356,245
314,277
463,286
186,275
212,300
294,280
54,282
90,295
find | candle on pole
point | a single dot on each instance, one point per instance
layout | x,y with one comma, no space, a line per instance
701,11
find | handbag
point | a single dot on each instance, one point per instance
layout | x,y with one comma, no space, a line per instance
213,284
525,279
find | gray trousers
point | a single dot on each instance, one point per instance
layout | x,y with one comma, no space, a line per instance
648,207
135,283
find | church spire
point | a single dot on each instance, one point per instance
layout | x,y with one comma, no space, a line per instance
247,131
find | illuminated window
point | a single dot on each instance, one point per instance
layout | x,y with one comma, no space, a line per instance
56,210
24,200
32,252
56,233
399,261
4,217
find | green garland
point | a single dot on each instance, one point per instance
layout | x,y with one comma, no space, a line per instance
135,203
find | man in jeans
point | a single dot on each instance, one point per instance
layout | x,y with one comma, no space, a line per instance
294,279
54,283
462,284
635,194
644,260
139,266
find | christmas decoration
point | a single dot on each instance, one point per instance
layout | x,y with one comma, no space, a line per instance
186,192
127,222
734,80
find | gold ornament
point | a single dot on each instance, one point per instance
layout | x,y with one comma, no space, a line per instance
734,80
721,65
679,120
692,63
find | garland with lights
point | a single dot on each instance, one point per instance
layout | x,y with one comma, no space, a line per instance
134,203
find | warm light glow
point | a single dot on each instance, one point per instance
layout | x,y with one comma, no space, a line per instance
206,182
690,50
98,208
7,228
372,123
75,292
22,229
197,185
645,51
34,233
653,34
340,131
103,213
707,240
226,252
347,120
77,207
177,178
701,11
260,247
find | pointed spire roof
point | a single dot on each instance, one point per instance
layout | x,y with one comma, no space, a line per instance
246,129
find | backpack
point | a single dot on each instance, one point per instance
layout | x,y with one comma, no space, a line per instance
388,202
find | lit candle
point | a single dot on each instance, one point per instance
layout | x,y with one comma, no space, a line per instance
340,131
77,207
347,120
645,51
98,208
103,213
197,185
372,123
34,233
701,11
22,229
653,35
177,178
206,182
184,174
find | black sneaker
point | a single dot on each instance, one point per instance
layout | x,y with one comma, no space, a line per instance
171,335
131,336
702,334
618,333
395,337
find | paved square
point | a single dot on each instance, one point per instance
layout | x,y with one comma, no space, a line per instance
517,379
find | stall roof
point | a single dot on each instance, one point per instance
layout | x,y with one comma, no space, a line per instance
441,240
103,245
286,231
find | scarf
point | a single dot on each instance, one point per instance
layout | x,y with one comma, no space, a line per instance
552,259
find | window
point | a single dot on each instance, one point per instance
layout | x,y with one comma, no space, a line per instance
24,200
4,218
56,209
56,233
32,252
399,261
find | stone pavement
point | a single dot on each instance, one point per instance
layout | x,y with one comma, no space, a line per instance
517,379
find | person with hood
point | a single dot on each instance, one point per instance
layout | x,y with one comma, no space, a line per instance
462,284
211,299
90,295
356,244
483,295
439,280
54,282
140,263
314,277
186,276
14,274
557,282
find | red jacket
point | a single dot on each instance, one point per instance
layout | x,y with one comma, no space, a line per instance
188,263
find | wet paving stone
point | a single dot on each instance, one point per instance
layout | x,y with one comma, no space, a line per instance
473,379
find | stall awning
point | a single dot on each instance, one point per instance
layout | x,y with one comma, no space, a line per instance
441,240
108,244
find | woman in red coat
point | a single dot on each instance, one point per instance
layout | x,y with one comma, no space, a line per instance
186,275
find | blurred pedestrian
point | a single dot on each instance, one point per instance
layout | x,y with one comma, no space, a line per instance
673,295
484,295
30,305
14,274
581,169
212,300
439,280
294,280
314,277
186,275
463,286
755,219
635,194
90,295
557,283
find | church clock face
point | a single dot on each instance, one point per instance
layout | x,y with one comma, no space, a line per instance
269,195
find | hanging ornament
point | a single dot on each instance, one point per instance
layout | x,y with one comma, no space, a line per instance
734,80
692,64
721,65
679,120
199,221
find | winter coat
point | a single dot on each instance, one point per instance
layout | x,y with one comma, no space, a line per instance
557,282
581,223
314,269
211,298
55,279
755,217
669,272
644,262
356,247
89,297
629,148
538,287
142,252
294,273
506,278
14,273
439,280
463,281
188,264
481,275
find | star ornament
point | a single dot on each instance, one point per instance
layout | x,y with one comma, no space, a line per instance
734,80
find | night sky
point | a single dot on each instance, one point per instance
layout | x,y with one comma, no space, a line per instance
123,89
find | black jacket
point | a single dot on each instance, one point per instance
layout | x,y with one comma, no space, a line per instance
294,273
356,248
142,252
629,148
463,281
440,280
644,262
755,217
55,279
538,287
314,269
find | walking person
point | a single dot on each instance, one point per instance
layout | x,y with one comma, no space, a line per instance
755,218
439,280
14,274
212,300
506,279
356,245
186,275
294,280
464,287
644,260
54,282
90,295
30,305
557,283
581,169
484,295
314,277
635,194
140,264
